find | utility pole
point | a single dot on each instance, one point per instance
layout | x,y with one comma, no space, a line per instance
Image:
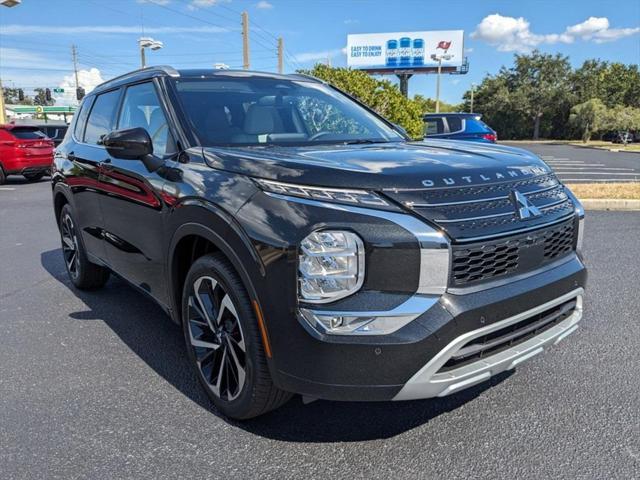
473,89
74,56
438,84
280,53
245,41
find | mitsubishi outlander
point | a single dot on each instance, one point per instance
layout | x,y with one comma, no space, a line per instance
307,246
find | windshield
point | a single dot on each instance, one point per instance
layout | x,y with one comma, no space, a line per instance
263,111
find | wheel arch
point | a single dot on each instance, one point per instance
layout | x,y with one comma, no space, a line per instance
186,243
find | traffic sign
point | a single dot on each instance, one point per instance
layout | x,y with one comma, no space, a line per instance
58,90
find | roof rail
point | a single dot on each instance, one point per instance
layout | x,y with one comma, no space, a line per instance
158,68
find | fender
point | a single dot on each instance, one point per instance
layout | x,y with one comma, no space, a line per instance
201,219
61,188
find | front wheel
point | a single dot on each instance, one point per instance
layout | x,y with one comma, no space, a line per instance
224,342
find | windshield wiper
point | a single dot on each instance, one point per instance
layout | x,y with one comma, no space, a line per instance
363,141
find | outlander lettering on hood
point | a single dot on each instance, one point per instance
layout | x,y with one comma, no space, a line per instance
512,172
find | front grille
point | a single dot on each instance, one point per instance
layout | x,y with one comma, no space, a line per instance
478,262
474,212
507,337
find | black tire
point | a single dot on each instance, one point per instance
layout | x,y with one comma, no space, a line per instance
83,274
218,357
34,177
3,177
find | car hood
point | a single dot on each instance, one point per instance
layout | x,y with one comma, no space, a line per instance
402,165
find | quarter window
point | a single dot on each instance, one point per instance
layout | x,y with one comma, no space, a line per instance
141,109
81,120
101,117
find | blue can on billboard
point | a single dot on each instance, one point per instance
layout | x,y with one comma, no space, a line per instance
405,52
392,53
418,52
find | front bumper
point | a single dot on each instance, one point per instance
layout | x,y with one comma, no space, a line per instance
430,382
407,364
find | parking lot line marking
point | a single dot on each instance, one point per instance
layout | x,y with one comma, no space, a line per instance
7,189
595,180
586,167
600,173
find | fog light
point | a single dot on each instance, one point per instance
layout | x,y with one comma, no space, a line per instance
330,266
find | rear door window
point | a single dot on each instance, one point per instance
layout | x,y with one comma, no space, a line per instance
455,124
433,126
101,118
28,133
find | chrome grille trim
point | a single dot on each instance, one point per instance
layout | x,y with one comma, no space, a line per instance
478,200
495,215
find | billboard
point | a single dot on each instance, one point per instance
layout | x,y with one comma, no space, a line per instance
405,50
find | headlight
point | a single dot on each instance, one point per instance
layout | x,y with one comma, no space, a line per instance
352,197
330,265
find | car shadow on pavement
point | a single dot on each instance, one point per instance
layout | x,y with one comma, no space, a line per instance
149,333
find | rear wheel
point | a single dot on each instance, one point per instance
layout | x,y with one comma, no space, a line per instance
224,342
34,177
83,274
3,177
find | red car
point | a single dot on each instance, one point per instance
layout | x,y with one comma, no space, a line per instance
24,150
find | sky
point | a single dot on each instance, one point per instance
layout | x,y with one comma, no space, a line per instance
36,36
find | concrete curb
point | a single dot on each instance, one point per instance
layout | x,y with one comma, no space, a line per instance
610,204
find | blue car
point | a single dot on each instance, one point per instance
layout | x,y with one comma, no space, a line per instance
458,126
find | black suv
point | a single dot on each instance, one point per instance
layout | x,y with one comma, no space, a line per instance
307,246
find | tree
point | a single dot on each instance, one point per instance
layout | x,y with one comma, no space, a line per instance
589,117
539,84
380,95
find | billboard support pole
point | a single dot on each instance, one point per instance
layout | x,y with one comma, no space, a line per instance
404,83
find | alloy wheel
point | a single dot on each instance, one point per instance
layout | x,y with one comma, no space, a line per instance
217,339
70,246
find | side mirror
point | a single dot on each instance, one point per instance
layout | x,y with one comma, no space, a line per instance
132,144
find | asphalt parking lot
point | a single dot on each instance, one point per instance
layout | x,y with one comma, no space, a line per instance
586,165
96,385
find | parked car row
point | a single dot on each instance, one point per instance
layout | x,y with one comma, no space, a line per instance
27,150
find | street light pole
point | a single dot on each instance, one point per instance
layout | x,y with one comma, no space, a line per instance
147,42
473,89
142,58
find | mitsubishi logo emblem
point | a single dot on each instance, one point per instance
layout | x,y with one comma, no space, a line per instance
524,209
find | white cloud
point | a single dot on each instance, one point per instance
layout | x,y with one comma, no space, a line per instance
510,34
87,79
107,29
351,21
195,4
157,2
315,56
264,5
